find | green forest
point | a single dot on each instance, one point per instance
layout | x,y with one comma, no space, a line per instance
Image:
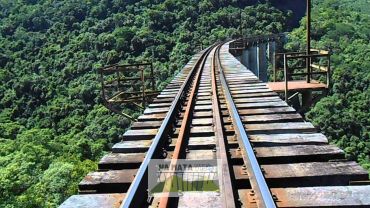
343,27
53,127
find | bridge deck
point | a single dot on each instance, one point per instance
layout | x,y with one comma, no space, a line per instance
300,168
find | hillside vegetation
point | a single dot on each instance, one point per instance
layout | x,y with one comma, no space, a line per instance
53,127
344,117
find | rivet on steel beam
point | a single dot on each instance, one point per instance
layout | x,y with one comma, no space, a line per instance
238,149
263,170
164,153
274,197
187,150
169,140
244,167
214,149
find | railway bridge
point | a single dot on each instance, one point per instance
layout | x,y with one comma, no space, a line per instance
258,150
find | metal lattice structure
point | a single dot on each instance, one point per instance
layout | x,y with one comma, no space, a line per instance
127,84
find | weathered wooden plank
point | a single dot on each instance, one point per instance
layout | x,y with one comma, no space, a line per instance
172,96
160,100
313,174
202,131
131,146
252,95
287,139
203,114
203,108
235,92
203,94
329,196
152,117
159,105
137,146
272,118
250,86
93,201
201,143
298,153
112,181
168,93
260,111
121,161
208,97
200,200
288,127
262,105
202,121
139,134
332,196
146,125
203,102
156,110
257,99
201,154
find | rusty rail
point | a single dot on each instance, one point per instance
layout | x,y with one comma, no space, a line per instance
184,129
138,186
228,198
257,178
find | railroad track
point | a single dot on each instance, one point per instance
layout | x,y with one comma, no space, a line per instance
217,110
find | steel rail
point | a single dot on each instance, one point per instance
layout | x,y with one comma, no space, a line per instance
184,129
257,178
139,184
227,191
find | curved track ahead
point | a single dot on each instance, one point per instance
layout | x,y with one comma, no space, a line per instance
215,108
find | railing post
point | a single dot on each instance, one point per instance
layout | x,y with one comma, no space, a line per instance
286,77
152,76
328,72
274,66
143,82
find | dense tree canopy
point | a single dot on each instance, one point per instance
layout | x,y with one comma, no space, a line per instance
343,26
53,127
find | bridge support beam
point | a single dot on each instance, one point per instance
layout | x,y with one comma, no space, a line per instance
262,62
253,59
271,47
245,58
256,58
